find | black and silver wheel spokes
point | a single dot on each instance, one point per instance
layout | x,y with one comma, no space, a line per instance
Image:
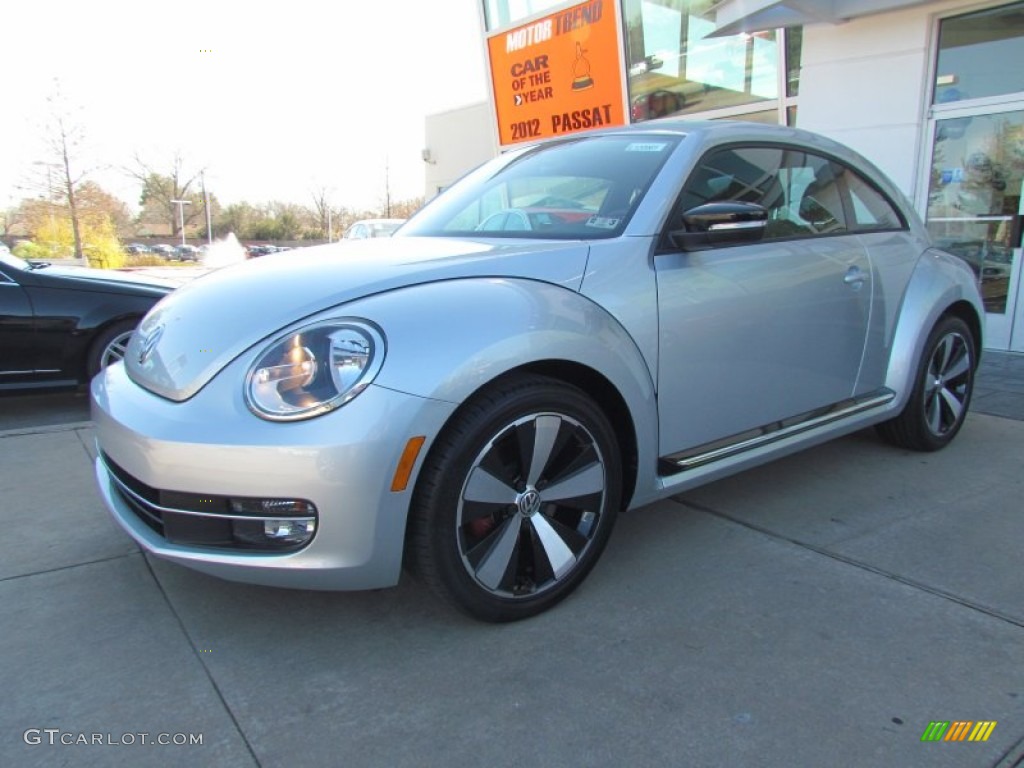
116,349
948,385
531,505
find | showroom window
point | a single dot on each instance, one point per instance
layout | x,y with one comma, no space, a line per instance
503,13
676,66
981,55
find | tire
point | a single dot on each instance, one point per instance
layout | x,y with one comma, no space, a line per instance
109,346
942,390
493,531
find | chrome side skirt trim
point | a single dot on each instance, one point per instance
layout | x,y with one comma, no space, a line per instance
770,433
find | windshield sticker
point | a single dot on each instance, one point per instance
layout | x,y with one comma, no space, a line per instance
648,146
602,222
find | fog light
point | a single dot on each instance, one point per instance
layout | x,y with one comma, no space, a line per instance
272,524
292,531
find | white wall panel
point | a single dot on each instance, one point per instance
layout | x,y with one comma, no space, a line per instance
457,141
864,83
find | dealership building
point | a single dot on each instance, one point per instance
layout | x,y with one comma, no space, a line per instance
931,92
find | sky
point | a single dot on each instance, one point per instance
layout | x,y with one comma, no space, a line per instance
272,99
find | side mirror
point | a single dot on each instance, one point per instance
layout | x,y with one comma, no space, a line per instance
711,224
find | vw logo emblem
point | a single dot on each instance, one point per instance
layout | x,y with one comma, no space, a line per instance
148,343
528,502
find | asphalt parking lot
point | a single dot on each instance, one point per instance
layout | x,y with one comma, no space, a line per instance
821,610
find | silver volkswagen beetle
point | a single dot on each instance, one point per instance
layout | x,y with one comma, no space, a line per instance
574,329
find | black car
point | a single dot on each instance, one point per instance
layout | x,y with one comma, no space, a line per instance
60,325
263,250
186,253
162,249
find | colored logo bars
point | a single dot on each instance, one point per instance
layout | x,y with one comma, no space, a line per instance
958,730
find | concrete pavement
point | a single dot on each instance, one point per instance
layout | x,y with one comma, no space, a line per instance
820,610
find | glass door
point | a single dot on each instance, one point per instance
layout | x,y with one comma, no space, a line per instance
976,131
974,207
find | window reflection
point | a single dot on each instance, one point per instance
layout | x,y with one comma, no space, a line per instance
794,56
974,195
981,54
806,195
504,13
676,67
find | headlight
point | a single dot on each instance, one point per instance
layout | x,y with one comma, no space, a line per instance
314,369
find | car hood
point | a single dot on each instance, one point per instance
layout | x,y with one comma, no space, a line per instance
105,279
197,330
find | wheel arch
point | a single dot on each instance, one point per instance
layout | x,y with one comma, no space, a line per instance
89,348
966,312
604,394
529,327
941,285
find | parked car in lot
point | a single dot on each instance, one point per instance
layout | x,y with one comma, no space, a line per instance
365,228
162,249
186,253
479,401
255,251
61,325
138,248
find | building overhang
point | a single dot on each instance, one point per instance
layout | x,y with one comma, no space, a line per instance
735,16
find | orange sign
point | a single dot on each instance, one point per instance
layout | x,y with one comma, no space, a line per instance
558,75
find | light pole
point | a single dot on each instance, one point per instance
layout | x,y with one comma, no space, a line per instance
181,215
49,176
206,205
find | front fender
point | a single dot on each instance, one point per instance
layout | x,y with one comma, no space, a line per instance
446,340
939,281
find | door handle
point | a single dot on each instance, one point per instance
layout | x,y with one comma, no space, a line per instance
855,276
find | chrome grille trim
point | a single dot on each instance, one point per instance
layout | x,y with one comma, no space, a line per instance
149,506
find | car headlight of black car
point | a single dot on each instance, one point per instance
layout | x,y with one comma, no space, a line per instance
314,370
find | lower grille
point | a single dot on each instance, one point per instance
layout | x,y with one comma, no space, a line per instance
219,522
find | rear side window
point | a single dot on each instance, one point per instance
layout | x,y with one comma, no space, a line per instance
806,195
871,211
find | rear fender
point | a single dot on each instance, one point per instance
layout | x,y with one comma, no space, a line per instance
939,281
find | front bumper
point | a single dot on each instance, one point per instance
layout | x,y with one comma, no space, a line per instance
212,445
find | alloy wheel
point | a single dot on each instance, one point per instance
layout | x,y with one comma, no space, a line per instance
948,383
115,349
531,504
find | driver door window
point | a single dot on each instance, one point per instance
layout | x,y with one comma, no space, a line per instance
801,191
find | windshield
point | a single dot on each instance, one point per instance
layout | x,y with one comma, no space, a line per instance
8,258
582,188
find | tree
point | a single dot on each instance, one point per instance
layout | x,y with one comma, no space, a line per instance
63,137
159,191
94,201
327,221
403,209
52,228
237,218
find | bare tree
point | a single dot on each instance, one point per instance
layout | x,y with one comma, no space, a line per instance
322,211
63,137
159,191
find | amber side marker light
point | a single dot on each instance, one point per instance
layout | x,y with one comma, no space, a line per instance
406,463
